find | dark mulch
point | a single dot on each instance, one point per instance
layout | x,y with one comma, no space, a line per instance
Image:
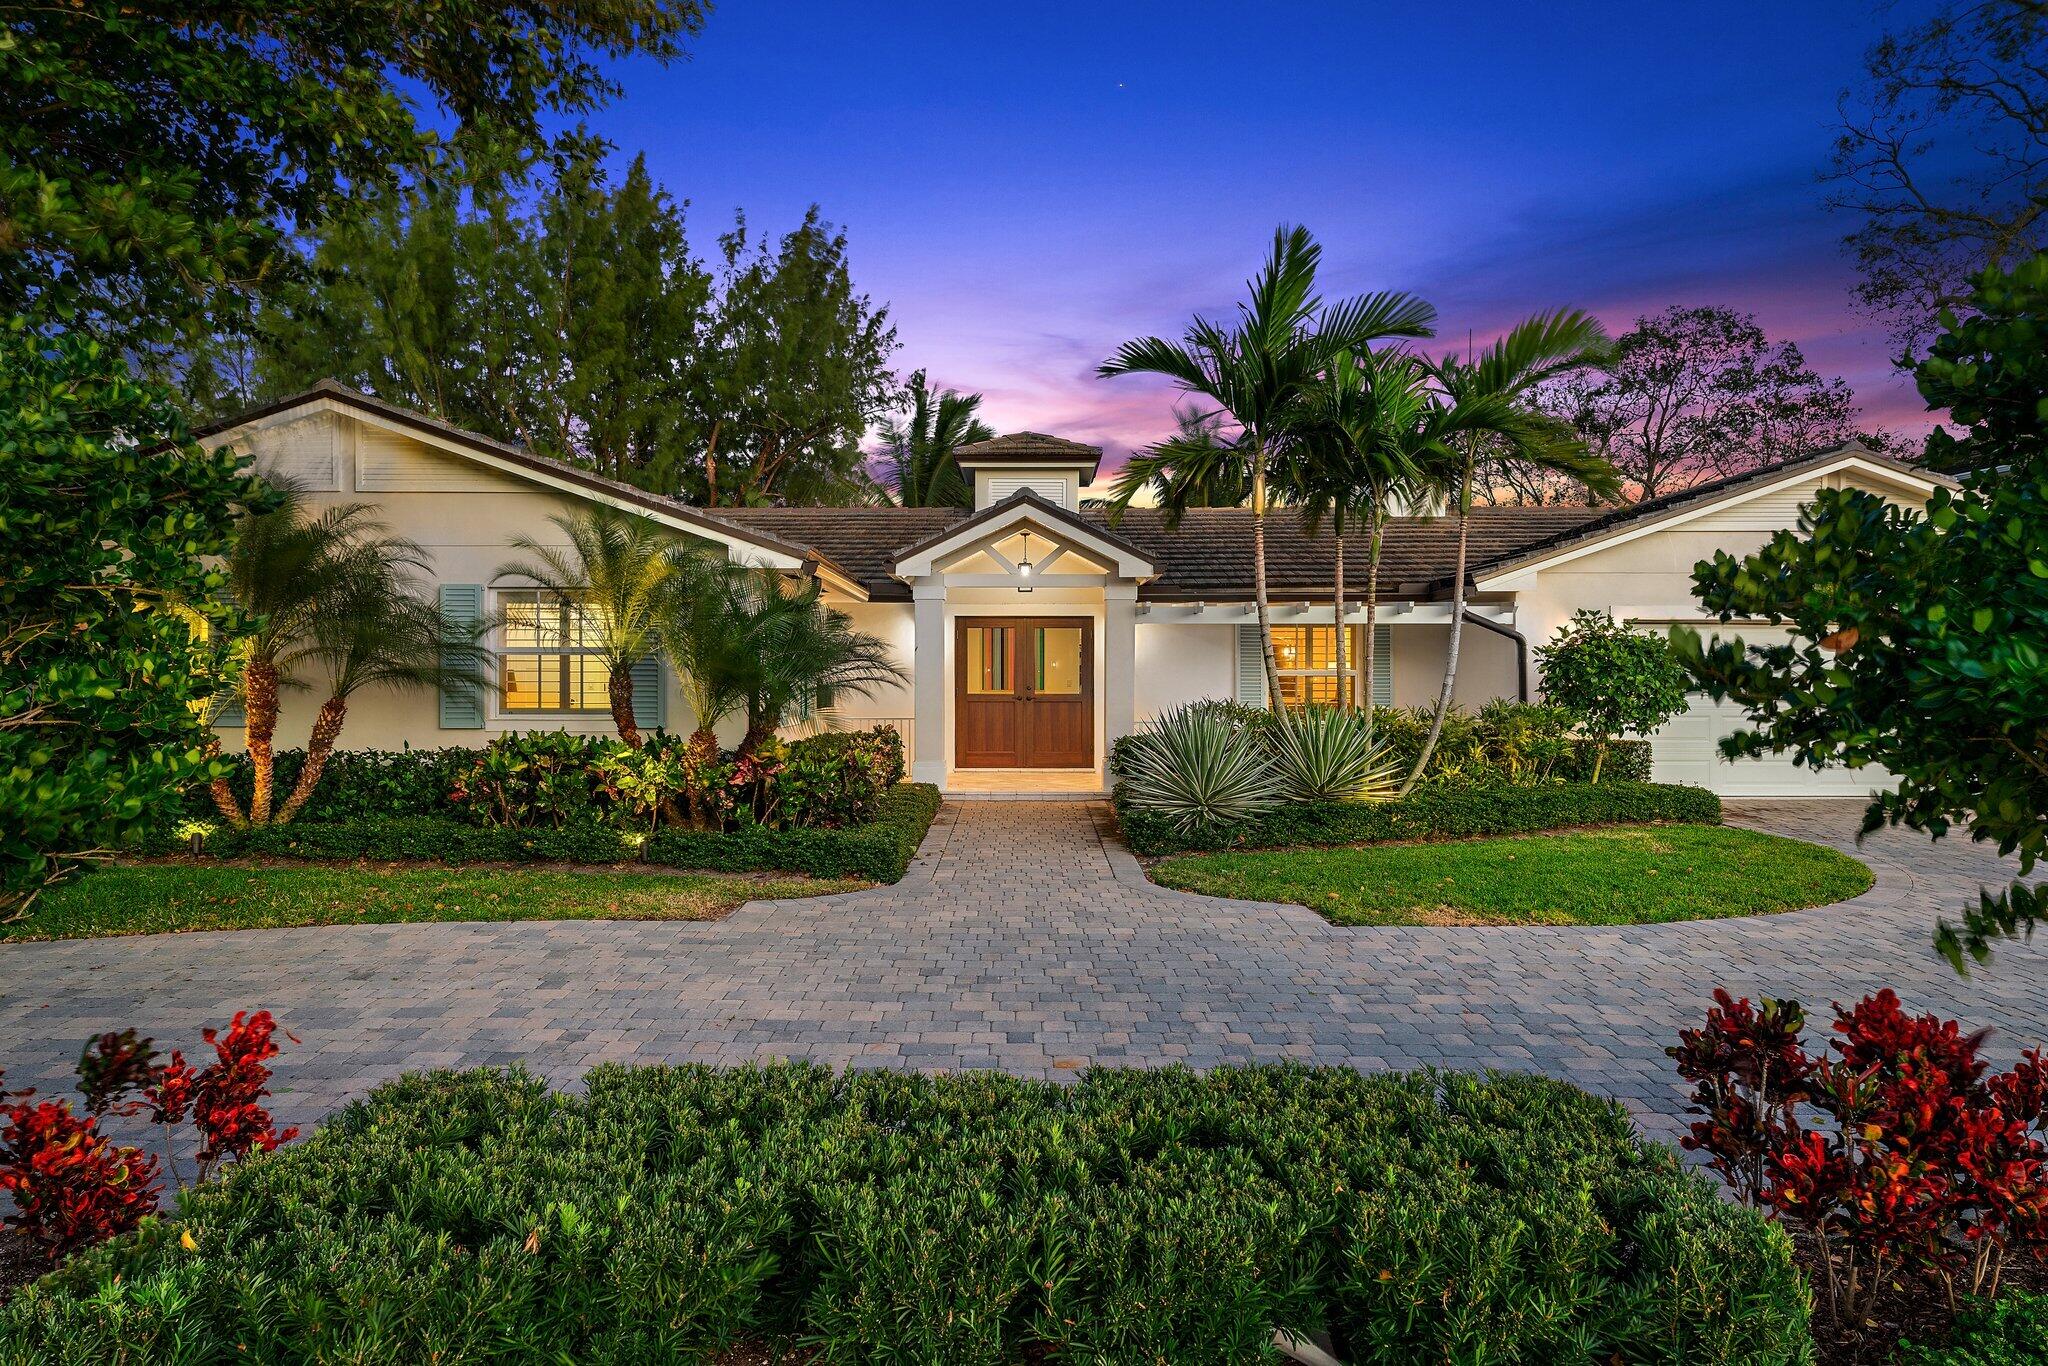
1914,1311
20,1262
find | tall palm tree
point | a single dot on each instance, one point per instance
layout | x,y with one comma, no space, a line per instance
617,570
1360,439
290,569
376,629
1198,466
919,450
1256,370
1493,392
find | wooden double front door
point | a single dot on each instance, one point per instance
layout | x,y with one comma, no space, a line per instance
1024,692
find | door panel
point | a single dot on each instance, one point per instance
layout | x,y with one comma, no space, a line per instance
1024,696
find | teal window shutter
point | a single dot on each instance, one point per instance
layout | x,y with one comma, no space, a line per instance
648,708
1382,665
462,612
1251,666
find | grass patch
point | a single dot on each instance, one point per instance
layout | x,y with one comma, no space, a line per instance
1624,875
150,898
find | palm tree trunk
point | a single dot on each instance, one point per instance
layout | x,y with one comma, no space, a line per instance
702,754
259,685
1443,700
1372,609
223,792
326,730
620,691
1344,698
1261,605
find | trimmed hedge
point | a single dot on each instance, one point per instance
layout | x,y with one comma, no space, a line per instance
1433,813
974,1219
878,851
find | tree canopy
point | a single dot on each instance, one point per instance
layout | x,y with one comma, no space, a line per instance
547,303
155,151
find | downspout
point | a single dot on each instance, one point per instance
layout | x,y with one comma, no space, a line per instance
1521,649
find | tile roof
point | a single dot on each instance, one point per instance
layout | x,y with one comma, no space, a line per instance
1031,448
1208,556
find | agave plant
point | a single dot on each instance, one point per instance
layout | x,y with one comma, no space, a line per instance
1322,754
1199,770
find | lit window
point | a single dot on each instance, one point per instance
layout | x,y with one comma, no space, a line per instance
548,659
1306,657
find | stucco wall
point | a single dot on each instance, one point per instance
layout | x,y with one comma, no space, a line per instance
1486,666
1177,664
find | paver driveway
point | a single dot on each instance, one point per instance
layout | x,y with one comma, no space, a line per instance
1026,939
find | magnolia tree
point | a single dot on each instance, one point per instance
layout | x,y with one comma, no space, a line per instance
1616,681
1919,641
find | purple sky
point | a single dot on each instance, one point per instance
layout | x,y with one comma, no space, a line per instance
1028,186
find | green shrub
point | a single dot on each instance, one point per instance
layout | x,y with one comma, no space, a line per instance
878,850
1430,813
1322,754
1197,769
2012,1331
356,784
970,1218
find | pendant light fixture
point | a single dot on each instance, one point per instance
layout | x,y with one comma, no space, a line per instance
1024,566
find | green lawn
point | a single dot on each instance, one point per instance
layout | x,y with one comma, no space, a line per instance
145,898
1618,876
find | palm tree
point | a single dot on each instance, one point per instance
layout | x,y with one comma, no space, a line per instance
1257,369
1361,434
796,649
1197,467
288,569
374,629
1489,402
617,570
919,450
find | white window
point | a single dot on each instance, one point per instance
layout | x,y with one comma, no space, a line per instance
547,662
1306,658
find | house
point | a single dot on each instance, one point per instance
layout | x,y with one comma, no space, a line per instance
1035,631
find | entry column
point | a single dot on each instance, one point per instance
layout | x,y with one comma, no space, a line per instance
928,677
1119,664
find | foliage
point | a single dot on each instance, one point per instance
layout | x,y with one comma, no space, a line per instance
1323,754
1698,393
537,779
1941,158
111,522
1626,875
671,1213
1916,1168
1197,771
357,784
1427,813
538,301
2009,1331
166,897
154,153
1612,678
74,1187
917,452
1919,641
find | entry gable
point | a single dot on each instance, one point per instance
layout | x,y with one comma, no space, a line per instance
985,542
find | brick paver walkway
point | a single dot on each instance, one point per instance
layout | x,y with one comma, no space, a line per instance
1025,938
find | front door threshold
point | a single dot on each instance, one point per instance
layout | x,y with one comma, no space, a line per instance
1025,783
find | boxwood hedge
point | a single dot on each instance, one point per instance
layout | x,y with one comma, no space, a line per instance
878,851
1433,813
1137,1216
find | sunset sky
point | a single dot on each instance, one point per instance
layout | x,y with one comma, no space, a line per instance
1027,186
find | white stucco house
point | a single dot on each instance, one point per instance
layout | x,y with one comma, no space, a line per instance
1034,631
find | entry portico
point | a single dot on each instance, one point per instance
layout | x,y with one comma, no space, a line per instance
1025,627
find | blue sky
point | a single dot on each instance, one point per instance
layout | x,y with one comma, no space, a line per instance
1027,186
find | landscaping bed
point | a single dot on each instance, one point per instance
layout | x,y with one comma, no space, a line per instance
209,894
1619,875
877,850
1447,812
1135,1216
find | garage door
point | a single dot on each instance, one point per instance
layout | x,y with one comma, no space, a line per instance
1688,750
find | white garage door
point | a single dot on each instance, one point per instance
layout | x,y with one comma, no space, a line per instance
1688,750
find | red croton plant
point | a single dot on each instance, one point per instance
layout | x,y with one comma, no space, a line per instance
1894,1149
73,1186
